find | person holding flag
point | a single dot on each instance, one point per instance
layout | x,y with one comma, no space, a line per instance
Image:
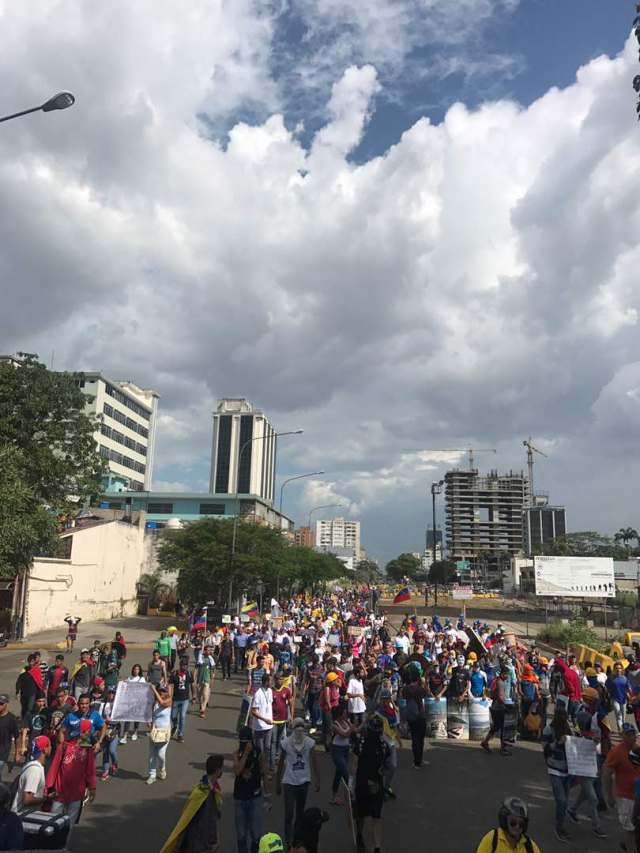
250,609
198,827
403,595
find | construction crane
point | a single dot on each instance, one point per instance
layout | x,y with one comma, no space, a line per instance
530,451
469,450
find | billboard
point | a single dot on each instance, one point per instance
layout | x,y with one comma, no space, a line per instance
575,577
462,593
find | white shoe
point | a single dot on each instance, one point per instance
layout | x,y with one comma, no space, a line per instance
162,775
123,740
134,736
151,780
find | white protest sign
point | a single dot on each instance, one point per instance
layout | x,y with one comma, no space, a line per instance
133,703
581,757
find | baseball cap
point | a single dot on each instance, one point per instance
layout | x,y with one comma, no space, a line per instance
299,723
270,843
331,677
4,699
628,729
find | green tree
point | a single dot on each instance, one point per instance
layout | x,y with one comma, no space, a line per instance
626,535
42,415
154,586
442,571
586,543
26,527
201,552
367,571
405,565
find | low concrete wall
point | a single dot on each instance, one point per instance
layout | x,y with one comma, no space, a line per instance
97,582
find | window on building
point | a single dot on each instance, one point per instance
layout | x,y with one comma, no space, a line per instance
224,452
212,509
160,508
244,464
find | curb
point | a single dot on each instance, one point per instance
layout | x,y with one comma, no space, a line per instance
29,646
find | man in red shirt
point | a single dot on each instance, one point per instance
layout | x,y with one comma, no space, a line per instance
620,766
282,716
72,772
572,686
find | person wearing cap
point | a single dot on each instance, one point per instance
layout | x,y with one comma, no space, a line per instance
329,699
182,683
72,772
619,776
31,793
249,769
297,764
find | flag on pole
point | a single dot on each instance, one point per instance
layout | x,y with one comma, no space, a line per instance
403,595
250,608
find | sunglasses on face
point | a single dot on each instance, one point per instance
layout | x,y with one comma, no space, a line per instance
515,822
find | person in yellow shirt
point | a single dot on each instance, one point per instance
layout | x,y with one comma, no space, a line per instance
511,834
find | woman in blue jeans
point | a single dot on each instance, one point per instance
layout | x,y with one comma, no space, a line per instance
342,731
248,767
554,739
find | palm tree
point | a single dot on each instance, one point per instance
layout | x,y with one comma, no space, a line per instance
153,586
626,535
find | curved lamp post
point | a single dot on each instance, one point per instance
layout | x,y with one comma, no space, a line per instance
61,101
289,480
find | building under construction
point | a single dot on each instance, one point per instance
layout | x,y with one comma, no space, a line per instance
484,518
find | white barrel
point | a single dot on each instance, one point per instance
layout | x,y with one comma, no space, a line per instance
458,720
479,718
436,718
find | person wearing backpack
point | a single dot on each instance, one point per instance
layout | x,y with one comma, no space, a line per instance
414,694
28,788
511,832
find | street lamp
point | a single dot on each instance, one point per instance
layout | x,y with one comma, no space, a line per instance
436,489
246,444
297,477
61,101
316,508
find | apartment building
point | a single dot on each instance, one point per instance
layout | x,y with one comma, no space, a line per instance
338,533
126,428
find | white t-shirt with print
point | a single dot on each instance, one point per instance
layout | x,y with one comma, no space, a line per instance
297,763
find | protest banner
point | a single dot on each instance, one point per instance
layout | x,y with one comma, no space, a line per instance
581,757
277,621
133,703
355,630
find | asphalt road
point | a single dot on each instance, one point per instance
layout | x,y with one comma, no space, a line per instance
447,806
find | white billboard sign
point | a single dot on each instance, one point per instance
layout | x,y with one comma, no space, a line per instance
462,593
575,577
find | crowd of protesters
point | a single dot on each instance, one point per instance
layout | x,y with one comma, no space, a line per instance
324,673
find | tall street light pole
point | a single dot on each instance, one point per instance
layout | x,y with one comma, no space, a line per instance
237,497
436,489
317,508
61,101
290,480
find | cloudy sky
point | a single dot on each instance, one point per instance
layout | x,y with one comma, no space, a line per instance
403,225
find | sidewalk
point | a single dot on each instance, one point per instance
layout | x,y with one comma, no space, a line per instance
138,632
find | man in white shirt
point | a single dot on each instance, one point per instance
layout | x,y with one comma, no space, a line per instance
262,715
402,641
31,791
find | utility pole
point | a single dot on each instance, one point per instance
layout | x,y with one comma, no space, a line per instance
436,489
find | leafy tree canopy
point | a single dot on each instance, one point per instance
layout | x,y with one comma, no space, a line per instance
26,527
442,571
42,415
587,543
405,565
201,551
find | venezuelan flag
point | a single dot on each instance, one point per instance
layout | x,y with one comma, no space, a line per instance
403,595
250,608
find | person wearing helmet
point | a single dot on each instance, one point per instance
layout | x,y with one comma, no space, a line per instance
511,832
270,843
369,788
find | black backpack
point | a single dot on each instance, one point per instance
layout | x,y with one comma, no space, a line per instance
528,846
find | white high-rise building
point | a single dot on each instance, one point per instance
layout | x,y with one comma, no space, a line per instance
126,430
338,533
235,426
